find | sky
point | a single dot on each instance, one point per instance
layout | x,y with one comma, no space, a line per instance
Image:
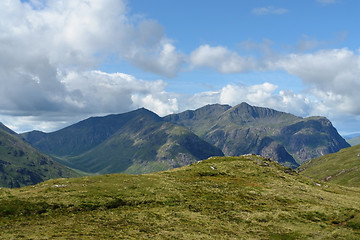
62,61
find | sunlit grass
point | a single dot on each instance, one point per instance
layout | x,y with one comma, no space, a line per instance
220,198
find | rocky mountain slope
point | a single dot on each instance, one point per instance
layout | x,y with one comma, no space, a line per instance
342,167
22,165
246,197
242,129
134,142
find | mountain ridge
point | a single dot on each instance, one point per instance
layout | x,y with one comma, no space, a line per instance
135,142
237,130
240,129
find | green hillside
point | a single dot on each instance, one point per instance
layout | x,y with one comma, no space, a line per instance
84,135
143,146
220,198
22,165
135,142
342,167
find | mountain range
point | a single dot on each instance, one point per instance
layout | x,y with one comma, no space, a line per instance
244,129
250,196
140,141
134,142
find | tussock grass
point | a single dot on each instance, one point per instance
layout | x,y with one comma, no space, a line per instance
220,198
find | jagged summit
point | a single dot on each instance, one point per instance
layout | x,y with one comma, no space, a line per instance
248,129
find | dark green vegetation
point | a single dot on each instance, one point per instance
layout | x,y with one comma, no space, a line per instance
220,198
342,167
246,129
22,165
134,142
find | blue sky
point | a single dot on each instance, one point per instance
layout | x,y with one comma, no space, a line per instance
62,61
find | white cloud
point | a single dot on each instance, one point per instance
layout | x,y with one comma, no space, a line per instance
95,92
264,95
269,10
162,106
331,76
49,48
81,33
88,93
221,59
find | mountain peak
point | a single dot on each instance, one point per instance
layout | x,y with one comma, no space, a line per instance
250,129
246,112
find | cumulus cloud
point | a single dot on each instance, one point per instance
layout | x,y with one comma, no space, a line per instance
96,91
331,76
269,10
310,103
89,93
49,48
264,95
40,38
221,59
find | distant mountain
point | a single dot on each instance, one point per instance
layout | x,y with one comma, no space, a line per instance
80,137
140,141
22,165
135,142
243,129
354,141
342,167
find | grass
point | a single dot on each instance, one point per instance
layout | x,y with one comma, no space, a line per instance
220,198
342,167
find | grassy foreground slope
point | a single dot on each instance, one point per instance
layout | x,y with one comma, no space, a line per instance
342,167
244,197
